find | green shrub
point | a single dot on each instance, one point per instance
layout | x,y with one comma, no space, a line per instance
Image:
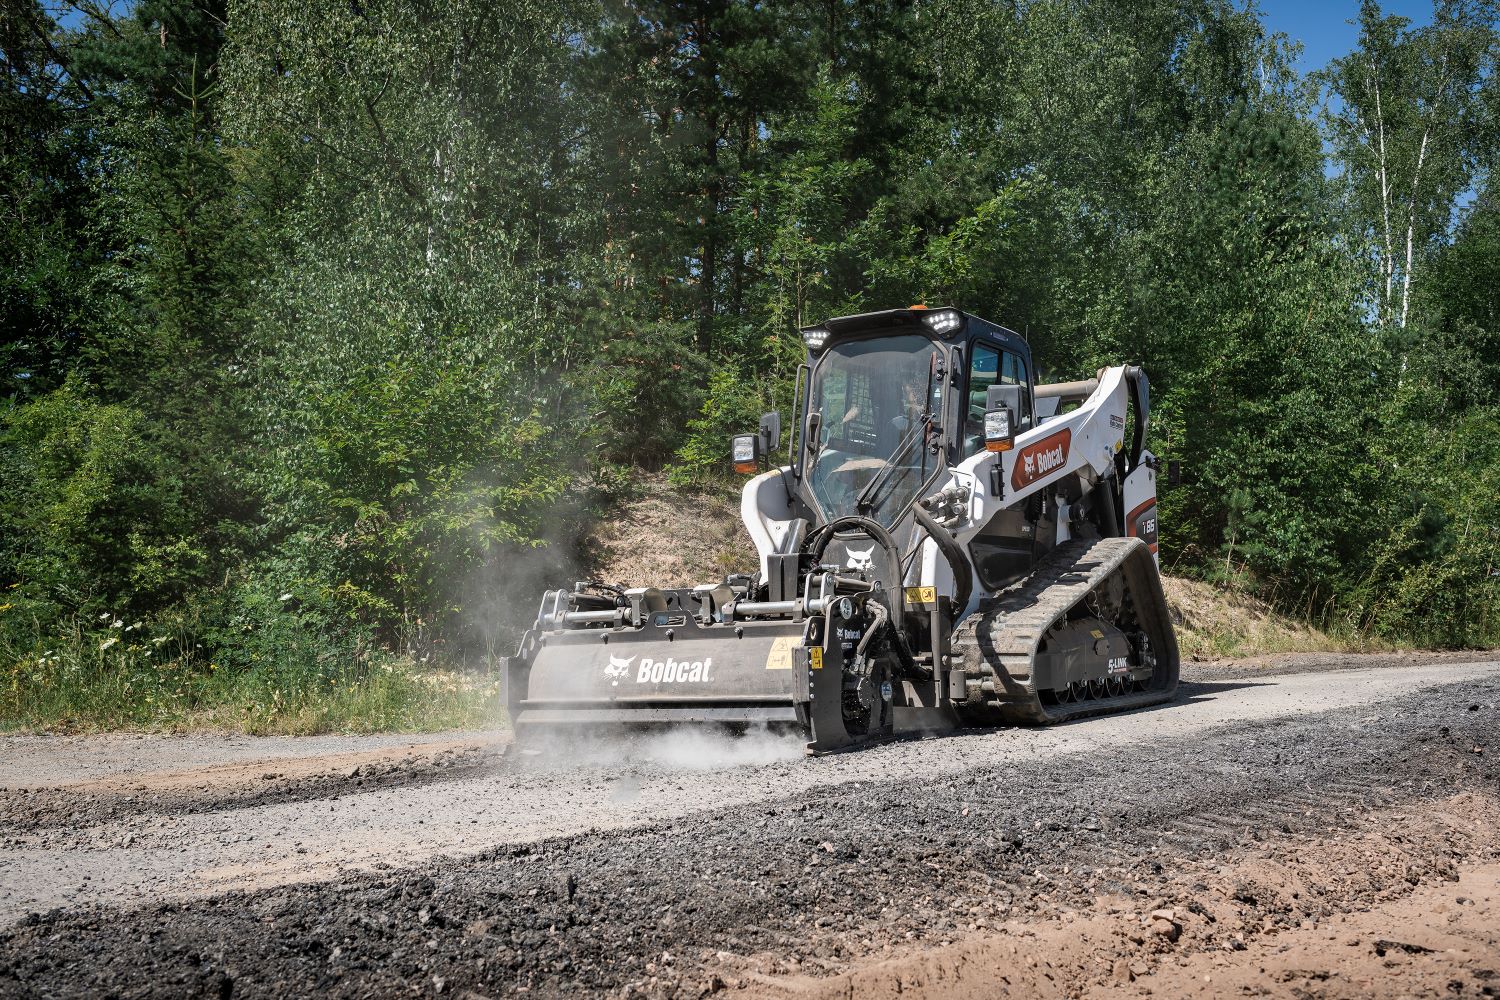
94,513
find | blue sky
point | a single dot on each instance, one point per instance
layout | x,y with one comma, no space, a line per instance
1321,25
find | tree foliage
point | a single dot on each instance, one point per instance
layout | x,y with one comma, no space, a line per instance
325,323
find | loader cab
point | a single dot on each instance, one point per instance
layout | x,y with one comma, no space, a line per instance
895,397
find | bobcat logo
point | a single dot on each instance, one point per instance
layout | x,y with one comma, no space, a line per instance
861,558
617,668
1037,461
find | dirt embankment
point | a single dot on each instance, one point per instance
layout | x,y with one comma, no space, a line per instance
666,537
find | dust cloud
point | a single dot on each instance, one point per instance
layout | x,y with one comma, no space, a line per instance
691,748
700,750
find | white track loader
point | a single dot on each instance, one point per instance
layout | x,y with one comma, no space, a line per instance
948,545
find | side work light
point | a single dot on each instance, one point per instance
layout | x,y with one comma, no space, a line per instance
745,450
1001,403
999,435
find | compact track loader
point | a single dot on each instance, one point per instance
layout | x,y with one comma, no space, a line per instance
949,545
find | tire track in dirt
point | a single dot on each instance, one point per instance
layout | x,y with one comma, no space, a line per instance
240,785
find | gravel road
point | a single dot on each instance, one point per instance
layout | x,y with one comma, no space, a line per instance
42,760
685,866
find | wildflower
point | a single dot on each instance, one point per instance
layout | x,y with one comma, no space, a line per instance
158,640
132,628
6,607
116,623
108,643
104,617
285,597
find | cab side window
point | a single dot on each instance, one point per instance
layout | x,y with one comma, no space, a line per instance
1014,373
984,371
989,366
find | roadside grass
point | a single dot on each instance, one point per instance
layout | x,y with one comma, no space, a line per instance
1224,622
79,687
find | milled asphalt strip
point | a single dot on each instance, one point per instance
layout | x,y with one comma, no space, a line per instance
153,856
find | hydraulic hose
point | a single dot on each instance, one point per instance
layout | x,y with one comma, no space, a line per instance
1109,510
881,617
817,543
963,573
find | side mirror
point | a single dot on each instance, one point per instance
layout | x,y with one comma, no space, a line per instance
770,432
1002,403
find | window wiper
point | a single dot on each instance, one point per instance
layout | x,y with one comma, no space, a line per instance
864,503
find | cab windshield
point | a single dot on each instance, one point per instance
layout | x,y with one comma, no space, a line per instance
878,399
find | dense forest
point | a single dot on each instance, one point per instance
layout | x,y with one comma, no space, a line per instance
323,319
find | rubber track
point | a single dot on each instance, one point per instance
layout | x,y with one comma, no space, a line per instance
998,642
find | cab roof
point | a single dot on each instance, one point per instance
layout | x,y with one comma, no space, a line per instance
915,319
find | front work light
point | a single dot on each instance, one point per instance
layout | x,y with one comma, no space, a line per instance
943,321
814,337
745,450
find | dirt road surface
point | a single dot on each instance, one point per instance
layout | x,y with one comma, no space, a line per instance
1315,828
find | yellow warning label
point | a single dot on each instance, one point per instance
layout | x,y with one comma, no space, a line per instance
815,657
780,656
1096,633
921,595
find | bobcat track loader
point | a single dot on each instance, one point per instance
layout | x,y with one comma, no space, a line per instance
949,545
